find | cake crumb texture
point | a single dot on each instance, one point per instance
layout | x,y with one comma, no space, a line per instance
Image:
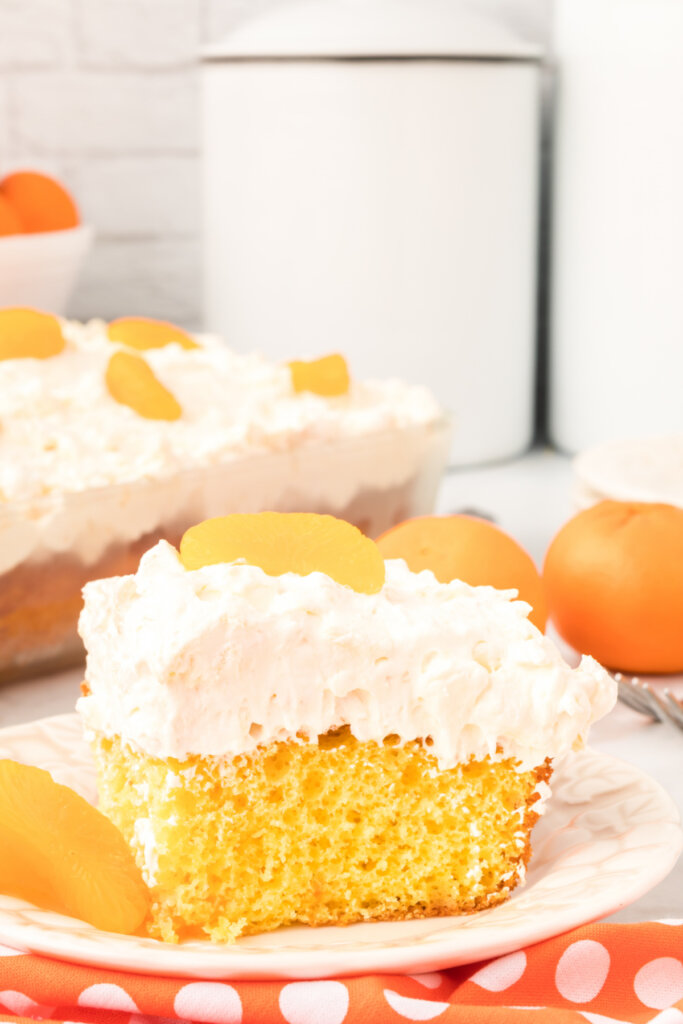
328,832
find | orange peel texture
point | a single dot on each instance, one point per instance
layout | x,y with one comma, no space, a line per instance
469,549
29,334
613,577
142,333
281,542
131,382
328,376
61,854
40,202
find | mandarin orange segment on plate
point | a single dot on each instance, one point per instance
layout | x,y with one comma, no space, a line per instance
328,376
131,382
143,333
29,334
614,582
469,549
58,852
280,542
41,202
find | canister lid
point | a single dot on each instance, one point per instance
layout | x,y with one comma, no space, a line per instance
309,29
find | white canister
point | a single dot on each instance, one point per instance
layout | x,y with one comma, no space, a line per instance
371,187
616,352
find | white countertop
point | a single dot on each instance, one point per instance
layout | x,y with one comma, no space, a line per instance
530,498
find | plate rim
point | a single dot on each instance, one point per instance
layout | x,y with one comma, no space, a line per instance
340,961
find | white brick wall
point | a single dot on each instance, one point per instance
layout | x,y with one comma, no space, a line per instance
531,17
94,112
4,117
141,196
37,33
140,33
104,94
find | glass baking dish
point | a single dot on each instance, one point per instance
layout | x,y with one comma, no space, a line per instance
50,547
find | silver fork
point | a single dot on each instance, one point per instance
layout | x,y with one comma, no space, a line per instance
643,698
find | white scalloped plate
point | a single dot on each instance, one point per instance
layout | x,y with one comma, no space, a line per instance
608,836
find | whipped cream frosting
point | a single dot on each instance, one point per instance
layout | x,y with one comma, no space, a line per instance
219,660
63,436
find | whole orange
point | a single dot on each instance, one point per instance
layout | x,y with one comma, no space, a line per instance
470,549
40,202
613,579
9,218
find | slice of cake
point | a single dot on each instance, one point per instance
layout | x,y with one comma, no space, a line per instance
287,729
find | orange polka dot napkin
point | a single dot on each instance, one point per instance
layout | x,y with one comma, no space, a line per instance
603,974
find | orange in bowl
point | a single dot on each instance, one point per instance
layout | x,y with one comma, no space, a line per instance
470,549
613,579
9,218
39,202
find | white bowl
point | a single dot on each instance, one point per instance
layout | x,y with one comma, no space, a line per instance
40,270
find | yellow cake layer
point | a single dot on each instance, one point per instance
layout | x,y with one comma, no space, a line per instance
317,833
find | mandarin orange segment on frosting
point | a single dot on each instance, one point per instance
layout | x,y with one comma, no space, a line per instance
131,382
280,542
142,333
29,334
58,852
328,376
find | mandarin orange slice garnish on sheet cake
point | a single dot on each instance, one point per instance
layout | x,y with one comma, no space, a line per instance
281,542
469,549
131,381
328,376
61,854
613,577
29,334
142,333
